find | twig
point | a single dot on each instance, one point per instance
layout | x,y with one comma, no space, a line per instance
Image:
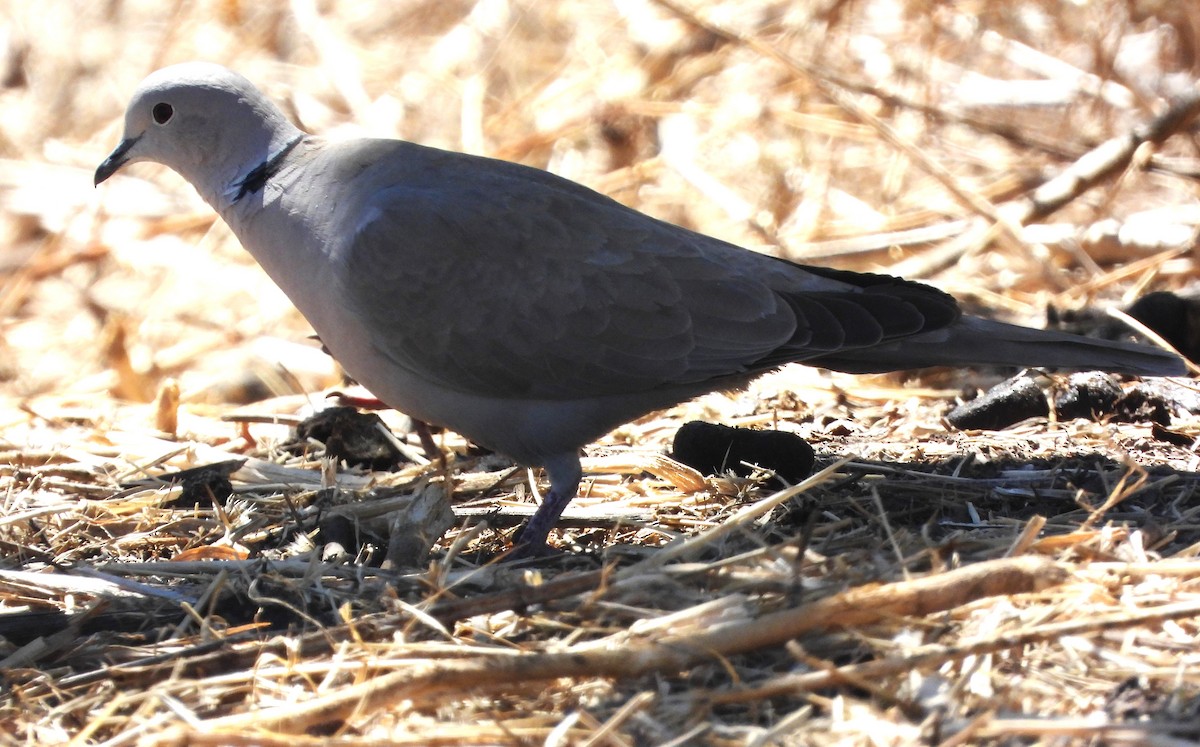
432,679
935,655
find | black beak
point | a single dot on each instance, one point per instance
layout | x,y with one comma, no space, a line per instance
115,160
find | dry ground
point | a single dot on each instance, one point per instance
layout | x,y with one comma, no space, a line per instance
1036,585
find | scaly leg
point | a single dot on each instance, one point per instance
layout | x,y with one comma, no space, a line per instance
565,473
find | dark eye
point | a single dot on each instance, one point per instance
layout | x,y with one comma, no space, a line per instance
162,113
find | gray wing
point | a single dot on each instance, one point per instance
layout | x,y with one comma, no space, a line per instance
498,279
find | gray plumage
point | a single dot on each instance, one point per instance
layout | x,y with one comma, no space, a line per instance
525,311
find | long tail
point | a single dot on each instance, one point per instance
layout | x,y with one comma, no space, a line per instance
972,341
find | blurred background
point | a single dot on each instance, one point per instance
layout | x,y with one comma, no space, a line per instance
761,129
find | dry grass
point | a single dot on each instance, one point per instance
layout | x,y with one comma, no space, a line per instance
1031,586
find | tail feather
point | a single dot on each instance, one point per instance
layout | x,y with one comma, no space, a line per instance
972,341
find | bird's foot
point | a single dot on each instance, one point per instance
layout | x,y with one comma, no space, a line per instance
532,551
531,539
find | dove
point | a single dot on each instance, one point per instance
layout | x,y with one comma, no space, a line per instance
525,311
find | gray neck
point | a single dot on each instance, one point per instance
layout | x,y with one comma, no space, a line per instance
224,183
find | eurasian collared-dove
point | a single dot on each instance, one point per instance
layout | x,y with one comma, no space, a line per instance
525,311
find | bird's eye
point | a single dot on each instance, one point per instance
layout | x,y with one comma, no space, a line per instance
162,113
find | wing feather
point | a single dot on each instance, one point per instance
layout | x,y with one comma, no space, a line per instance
498,279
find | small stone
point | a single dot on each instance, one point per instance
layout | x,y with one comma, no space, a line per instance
1008,402
1088,395
352,436
715,449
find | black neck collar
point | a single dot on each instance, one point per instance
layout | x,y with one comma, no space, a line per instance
257,177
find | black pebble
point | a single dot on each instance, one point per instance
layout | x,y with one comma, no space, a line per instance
1088,395
352,436
1006,403
203,485
1144,403
1173,316
1176,318
714,449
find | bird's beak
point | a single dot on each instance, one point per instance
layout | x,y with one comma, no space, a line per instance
118,158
